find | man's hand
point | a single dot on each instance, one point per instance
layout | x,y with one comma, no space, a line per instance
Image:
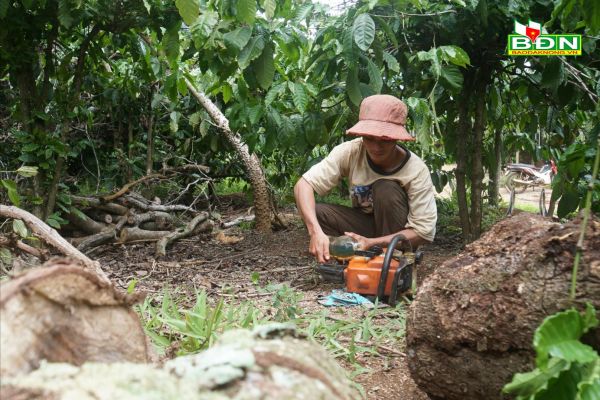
319,246
363,242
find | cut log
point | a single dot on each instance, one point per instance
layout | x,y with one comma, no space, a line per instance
161,218
130,200
62,313
136,234
112,208
269,363
161,245
50,236
471,325
85,223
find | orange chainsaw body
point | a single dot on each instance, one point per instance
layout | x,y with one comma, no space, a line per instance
363,275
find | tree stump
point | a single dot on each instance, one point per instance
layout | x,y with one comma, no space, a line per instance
471,325
268,363
63,313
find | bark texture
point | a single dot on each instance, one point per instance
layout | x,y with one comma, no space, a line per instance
62,313
251,161
267,363
471,325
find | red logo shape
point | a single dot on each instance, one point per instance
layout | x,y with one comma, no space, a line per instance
532,34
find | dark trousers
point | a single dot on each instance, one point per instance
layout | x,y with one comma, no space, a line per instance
390,213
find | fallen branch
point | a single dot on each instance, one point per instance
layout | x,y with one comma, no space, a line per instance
238,220
112,208
137,234
156,207
160,217
85,224
50,236
127,186
161,245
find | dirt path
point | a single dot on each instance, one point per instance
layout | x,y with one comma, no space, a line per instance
203,262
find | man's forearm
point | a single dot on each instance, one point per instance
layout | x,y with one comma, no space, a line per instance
305,201
410,234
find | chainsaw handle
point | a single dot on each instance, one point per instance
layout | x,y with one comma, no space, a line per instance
385,268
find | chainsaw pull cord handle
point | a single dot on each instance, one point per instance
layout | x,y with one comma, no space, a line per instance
385,268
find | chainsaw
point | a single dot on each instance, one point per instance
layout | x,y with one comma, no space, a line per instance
376,271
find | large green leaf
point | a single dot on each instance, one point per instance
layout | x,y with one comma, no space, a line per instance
558,336
455,55
64,13
19,228
388,31
264,67
363,31
303,13
170,45
274,92
591,15
238,38
375,80
553,75
452,76
11,188
391,62
529,383
251,51
353,87
270,6
188,9
299,96
246,11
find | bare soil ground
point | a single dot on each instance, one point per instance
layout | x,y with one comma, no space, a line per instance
203,262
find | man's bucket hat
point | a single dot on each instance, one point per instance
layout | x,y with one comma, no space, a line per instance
382,116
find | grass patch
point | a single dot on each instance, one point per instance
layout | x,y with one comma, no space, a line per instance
193,328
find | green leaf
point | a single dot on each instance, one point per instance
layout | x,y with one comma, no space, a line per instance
388,31
553,74
274,92
188,9
227,92
589,390
19,228
253,49
11,188
455,55
303,13
246,11
375,80
558,336
27,171
568,202
452,76
299,96
529,383
270,6
591,15
5,256
170,43
255,277
353,87
238,38
64,13
264,67
391,62
363,31
4,4
53,223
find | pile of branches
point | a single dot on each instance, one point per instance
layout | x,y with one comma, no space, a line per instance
126,216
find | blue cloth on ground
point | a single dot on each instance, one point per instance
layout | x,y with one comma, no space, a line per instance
341,298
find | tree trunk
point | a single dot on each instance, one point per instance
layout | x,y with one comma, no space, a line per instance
496,169
250,161
477,162
58,168
471,325
129,148
150,144
268,363
62,313
463,131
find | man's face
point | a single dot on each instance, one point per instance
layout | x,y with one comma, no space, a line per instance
379,150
